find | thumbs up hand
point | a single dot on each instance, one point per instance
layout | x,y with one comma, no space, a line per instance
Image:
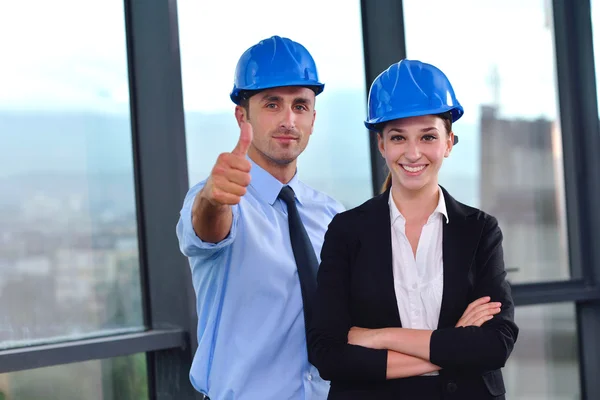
243,144
230,176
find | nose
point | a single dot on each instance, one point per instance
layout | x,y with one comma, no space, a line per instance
413,152
288,119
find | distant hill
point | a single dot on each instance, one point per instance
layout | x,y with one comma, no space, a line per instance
68,147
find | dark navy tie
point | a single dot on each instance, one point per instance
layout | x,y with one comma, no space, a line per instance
304,254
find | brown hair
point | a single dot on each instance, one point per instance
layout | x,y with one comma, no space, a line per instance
246,94
446,118
245,100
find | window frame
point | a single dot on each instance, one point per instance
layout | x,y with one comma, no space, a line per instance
161,182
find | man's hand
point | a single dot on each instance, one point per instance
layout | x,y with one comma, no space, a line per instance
478,312
230,176
211,212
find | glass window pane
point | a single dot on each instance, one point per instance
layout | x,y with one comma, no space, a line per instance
509,159
337,159
68,237
545,363
110,379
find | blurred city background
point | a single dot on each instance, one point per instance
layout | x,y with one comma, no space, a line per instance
69,251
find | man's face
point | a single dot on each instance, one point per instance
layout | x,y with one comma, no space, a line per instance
282,120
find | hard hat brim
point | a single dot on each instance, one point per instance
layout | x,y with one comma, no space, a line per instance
374,124
236,93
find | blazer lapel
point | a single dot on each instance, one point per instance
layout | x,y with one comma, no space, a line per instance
378,238
460,238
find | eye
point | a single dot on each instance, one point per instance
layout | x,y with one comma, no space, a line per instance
396,138
270,105
429,138
301,107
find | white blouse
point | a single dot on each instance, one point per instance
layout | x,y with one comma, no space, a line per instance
419,282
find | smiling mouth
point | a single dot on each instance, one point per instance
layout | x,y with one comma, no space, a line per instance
413,169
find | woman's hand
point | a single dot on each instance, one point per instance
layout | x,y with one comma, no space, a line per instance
478,312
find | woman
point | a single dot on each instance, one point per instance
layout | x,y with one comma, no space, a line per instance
412,301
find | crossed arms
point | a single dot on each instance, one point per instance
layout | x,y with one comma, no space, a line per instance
481,339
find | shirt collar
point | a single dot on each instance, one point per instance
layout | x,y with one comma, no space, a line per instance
268,187
441,208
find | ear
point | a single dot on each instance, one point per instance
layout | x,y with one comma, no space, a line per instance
381,144
449,144
240,115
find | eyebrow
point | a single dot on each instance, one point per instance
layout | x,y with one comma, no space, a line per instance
274,98
270,97
302,100
424,130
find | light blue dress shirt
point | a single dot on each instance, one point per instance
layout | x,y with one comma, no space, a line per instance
251,336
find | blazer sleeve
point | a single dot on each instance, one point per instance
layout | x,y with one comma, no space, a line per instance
329,350
489,346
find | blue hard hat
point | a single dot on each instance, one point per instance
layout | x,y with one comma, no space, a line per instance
410,88
275,62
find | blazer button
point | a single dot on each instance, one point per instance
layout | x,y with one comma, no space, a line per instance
451,387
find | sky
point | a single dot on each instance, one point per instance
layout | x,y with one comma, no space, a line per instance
63,54
60,61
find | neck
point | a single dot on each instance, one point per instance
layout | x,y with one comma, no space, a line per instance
416,204
282,172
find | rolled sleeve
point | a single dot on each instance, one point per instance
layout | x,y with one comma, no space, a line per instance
189,242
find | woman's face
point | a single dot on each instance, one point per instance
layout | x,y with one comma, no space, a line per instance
414,149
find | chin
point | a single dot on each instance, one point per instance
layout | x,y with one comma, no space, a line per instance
413,186
288,157
283,159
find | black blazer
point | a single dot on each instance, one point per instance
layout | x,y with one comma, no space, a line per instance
356,288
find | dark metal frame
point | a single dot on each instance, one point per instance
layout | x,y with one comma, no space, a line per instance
161,181
159,146
90,349
384,44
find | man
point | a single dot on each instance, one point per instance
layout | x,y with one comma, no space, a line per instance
254,272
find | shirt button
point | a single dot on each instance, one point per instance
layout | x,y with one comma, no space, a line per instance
414,286
309,377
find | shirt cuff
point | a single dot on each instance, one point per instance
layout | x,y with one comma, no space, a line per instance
190,244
